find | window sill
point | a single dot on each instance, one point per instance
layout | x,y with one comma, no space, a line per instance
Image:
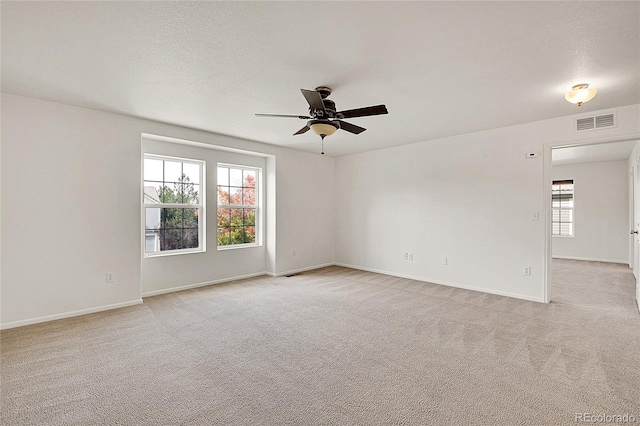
173,253
563,236
237,246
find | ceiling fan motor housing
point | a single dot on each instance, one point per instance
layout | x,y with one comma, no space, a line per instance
329,107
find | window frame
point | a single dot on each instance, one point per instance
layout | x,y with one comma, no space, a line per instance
560,209
258,206
200,207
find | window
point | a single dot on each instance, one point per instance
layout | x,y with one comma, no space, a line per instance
173,203
562,208
237,205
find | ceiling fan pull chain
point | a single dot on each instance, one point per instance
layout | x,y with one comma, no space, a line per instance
322,148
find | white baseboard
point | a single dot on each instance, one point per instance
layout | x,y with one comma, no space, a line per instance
80,312
589,259
202,284
445,283
46,318
70,314
297,271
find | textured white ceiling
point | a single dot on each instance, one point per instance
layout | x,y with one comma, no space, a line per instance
442,68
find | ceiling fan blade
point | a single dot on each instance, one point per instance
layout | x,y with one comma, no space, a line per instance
363,112
314,99
304,117
301,131
352,128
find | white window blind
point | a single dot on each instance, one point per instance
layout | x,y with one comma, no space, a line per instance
562,208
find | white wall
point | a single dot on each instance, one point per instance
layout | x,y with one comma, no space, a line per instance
308,227
71,197
469,198
601,212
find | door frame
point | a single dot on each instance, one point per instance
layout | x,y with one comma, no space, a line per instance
634,197
635,253
546,182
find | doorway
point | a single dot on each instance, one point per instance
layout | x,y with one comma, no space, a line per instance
592,209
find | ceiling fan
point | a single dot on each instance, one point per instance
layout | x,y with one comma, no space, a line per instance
323,118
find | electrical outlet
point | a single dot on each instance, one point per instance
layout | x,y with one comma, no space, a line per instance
110,277
443,260
526,271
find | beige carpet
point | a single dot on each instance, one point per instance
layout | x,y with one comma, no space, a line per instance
335,347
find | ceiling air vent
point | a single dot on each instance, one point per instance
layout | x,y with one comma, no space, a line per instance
587,123
607,120
597,122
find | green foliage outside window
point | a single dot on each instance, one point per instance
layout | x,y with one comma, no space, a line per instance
178,225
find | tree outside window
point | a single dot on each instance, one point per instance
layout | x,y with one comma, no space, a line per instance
237,206
173,205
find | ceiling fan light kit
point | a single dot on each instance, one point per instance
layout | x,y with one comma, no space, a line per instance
323,128
580,93
323,118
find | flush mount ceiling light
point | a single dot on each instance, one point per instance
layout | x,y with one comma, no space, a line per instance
580,93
